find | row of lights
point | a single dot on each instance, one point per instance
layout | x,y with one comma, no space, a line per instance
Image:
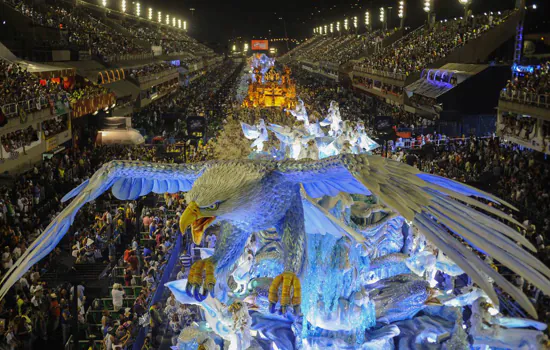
325,29
178,23
400,13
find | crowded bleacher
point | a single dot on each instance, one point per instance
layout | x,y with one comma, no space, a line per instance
426,45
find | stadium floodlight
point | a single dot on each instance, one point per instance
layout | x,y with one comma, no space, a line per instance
401,12
184,25
355,22
326,29
167,19
123,5
174,21
245,47
464,2
150,13
427,5
382,15
138,9
332,28
234,48
346,26
159,17
104,3
179,23
337,26
367,18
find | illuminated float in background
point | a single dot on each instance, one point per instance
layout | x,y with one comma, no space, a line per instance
308,140
268,87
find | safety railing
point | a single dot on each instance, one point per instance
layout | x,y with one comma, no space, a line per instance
525,97
412,143
385,74
155,76
12,110
128,57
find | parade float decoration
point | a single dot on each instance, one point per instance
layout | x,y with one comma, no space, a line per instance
347,252
269,87
306,139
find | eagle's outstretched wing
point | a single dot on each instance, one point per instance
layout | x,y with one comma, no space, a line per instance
128,179
443,210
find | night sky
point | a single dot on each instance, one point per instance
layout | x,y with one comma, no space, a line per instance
217,21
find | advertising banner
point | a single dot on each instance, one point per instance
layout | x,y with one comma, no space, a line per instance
260,45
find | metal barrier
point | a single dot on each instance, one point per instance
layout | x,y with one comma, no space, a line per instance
156,76
128,57
392,75
527,98
412,143
11,110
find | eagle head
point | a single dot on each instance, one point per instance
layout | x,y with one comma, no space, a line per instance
228,190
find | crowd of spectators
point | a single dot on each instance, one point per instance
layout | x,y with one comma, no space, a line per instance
149,69
17,84
199,98
338,49
19,138
530,87
54,126
84,30
428,44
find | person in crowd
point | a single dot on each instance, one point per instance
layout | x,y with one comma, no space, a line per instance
118,297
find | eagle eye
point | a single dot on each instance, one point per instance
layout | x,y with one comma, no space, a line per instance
213,206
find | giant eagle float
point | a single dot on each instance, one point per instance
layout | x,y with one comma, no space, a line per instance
248,196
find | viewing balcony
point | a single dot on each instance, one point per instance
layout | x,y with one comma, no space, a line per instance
148,81
526,103
23,114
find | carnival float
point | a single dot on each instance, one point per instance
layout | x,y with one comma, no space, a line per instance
268,86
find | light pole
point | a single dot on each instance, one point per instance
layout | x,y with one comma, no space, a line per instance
466,4
367,21
383,18
428,10
286,35
401,13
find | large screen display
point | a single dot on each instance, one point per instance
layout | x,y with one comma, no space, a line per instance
260,45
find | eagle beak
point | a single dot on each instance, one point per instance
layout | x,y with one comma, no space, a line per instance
193,217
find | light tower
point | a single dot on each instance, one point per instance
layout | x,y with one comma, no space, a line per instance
383,18
150,14
367,21
401,13
466,4
355,23
428,8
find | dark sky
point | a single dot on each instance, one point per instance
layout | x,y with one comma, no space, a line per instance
221,20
